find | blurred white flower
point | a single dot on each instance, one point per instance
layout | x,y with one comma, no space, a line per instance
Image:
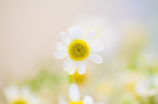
148,87
78,49
74,96
15,95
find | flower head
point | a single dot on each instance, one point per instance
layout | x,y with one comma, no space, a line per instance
78,49
14,95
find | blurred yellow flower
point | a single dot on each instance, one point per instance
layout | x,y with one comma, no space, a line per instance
77,78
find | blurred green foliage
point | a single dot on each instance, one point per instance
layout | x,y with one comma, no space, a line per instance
46,79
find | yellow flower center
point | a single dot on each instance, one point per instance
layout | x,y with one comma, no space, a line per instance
19,101
79,102
78,50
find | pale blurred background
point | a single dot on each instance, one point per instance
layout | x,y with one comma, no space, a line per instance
29,30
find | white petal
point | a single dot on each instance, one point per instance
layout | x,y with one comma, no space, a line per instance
72,68
88,100
67,64
89,35
11,93
71,32
60,54
81,67
74,92
97,48
60,46
65,38
78,31
95,58
94,42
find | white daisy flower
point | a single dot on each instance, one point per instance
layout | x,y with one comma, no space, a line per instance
78,49
74,96
14,95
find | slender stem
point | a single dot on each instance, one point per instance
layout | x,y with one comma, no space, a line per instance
69,79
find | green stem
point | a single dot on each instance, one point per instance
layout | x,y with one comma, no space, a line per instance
69,79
